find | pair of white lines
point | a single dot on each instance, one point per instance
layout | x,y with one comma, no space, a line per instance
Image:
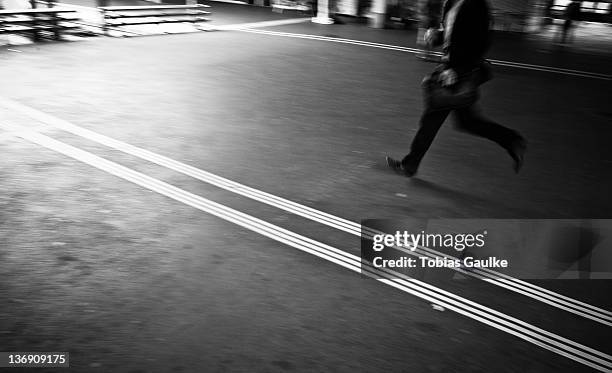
540,337
519,65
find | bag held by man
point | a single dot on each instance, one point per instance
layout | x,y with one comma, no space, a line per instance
463,93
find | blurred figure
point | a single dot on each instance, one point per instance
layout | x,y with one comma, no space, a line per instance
430,17
548,11
466,40
571,14
547,16
313,4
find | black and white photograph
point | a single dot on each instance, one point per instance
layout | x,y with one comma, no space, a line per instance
317,186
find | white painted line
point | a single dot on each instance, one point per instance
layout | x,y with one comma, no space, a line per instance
510,283
518,65
13,134
90,8
231,2
552,342
513,284
252,25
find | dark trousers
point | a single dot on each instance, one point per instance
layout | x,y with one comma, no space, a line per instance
468,120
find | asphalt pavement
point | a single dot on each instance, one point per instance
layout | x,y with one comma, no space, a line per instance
129,277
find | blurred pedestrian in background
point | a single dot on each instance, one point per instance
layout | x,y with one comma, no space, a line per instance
547,16
571,14
430,17
454,86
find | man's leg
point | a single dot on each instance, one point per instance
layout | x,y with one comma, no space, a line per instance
469,120
431,121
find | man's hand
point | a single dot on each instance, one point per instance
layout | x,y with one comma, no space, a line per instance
448,77
431,35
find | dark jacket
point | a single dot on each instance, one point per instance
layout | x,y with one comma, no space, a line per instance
470,37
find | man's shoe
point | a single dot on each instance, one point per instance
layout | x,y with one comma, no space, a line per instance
398,167
517,152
